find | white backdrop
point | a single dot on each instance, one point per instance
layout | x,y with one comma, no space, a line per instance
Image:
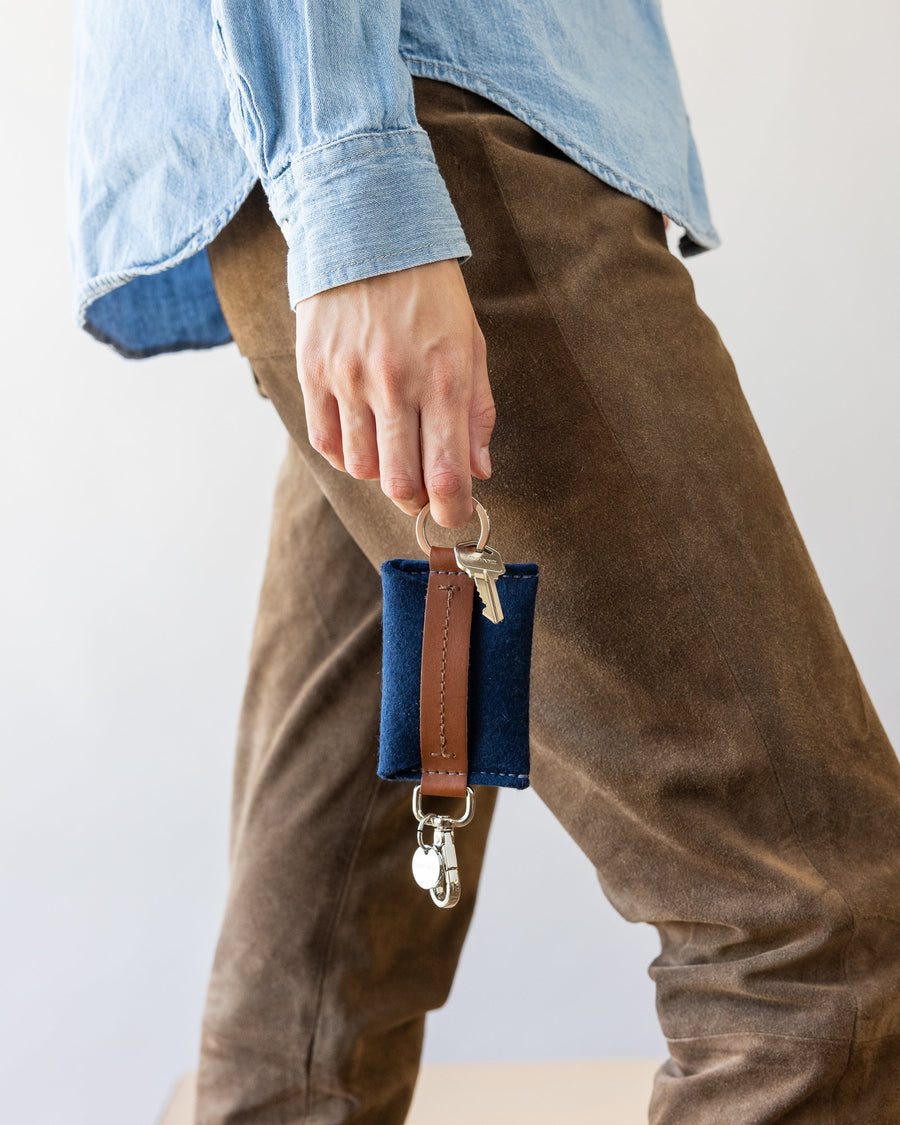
135,502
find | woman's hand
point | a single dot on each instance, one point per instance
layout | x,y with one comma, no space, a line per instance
394,377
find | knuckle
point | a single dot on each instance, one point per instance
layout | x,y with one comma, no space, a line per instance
445,483
393,398
390,368
320,371
324,441
447,386
342,372
399,487
361,465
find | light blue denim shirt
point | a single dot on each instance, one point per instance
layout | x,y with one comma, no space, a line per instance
179,106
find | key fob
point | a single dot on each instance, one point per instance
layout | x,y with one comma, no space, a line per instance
427,867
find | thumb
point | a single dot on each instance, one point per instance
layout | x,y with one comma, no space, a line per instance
482,413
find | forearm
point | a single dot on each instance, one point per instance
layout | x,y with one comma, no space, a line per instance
322,104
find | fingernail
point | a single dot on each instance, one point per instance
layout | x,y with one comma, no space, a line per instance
486,461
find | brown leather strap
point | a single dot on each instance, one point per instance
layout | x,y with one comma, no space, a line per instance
443,695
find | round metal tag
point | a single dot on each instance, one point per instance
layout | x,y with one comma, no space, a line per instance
426,867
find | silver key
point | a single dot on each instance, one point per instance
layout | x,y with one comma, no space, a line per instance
485,567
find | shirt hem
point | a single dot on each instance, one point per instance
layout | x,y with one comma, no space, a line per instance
696,239
156,349
706,237
99,286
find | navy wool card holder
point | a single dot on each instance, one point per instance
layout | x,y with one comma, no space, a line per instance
498,677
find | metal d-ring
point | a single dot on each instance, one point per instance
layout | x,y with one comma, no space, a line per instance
482,519
422,816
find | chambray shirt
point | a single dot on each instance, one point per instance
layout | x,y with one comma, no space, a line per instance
179,106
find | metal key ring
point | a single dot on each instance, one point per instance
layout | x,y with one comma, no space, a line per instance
482,518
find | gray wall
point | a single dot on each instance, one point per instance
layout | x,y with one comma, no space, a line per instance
135,501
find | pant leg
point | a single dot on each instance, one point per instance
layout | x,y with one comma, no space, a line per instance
701,728
698,724
316,1001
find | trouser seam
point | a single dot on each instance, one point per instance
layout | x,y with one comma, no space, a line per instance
689,587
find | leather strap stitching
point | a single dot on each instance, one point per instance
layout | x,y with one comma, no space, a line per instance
444,675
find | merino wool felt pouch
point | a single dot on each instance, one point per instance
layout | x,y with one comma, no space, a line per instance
498,679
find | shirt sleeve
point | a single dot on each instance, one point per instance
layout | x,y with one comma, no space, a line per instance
322,103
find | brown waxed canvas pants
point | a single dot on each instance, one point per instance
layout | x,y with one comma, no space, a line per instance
698,724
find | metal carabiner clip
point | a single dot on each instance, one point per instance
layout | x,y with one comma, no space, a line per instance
434,865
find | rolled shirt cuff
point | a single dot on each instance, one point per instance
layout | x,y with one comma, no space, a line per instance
362,206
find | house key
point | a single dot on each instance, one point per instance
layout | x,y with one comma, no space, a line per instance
484,567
